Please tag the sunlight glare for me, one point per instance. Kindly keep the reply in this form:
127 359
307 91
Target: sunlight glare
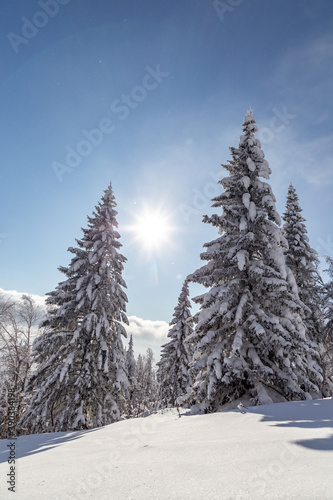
152 229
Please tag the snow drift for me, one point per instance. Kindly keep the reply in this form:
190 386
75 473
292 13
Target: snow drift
277 451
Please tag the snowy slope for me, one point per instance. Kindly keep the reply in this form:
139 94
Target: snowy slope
278 451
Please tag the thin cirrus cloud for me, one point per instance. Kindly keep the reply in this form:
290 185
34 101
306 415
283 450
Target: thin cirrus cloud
292 159
303 74
303 78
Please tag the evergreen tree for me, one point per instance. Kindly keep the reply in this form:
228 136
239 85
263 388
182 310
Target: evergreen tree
328 330
303 262
328 290
173 368
146 388
130 360
149 381
80 379
130 365
250 338
139 376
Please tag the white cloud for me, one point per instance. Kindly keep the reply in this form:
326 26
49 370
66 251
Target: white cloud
147 329
146 332
17 296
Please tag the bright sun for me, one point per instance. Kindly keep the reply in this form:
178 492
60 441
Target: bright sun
152 229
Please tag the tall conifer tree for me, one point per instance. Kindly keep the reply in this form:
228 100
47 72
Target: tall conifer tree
303 261
80 379
250 338
327 341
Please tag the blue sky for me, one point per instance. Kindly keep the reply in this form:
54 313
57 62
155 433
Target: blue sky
168 83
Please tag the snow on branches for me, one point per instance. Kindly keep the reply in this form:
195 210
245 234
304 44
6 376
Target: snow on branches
80 380
249 338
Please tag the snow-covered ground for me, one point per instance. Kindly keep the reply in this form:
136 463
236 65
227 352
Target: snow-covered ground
277 451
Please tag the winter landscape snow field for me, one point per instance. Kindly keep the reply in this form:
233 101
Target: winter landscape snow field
277 451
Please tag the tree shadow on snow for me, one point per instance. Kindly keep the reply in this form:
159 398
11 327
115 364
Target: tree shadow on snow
317 444
302 414
37 443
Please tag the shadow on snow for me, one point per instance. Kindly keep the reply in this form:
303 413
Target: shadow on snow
302 414
37 443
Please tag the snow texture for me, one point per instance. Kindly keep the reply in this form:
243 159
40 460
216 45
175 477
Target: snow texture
282 451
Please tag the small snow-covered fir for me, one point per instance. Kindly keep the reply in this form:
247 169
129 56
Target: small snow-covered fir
173 368
130 365
146 389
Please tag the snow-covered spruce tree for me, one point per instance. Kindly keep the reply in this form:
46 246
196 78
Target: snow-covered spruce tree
139 376
173 368
130 360
303 262
147 389
328 302
130 365
328 328
250 338
80 379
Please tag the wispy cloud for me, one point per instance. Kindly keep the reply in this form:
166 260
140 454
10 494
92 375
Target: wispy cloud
304 75
302 80
311 160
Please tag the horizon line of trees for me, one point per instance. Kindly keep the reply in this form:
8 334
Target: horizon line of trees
263 332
